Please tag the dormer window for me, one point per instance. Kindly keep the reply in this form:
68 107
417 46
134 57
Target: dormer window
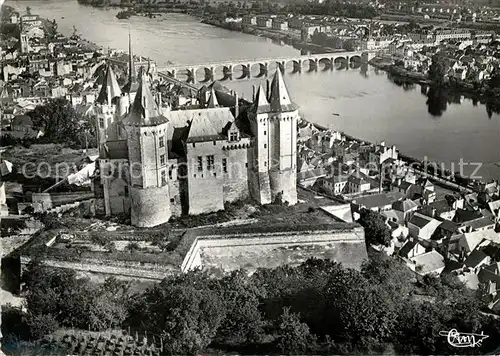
101 122
233 136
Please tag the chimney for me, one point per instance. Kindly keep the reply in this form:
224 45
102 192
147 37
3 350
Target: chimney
253 93
236 106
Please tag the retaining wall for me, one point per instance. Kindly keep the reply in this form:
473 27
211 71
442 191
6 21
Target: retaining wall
45 201
270 250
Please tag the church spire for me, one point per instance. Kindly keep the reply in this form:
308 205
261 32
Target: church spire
279 99
131 66
132 85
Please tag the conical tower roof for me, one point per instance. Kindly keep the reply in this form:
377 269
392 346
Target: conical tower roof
144 110
279 99
261 105
110 84
212 100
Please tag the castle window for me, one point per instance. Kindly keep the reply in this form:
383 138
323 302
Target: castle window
194 144
215 142
163 178
200 164
265 145
210 162
162 141
233 136
246 165
224 165
265 164
101 122
162 160
170 170
125 191
265 132
172 200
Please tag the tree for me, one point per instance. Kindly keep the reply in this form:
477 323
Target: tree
293 336
61 124
376 230
184 314
28 10
438 69
243 322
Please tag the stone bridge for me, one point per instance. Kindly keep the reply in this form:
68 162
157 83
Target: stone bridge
259 68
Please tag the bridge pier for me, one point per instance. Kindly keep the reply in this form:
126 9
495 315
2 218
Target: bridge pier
227 72
191 75
348 64
264 70
313 65
247 71
281 66
297 66
209 74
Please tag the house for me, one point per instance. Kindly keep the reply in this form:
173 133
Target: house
358 183
445 230
411 249
427 263
336 184
406 207
443 208
422 226
280 25
480 224
381 154
476 260
467 242
376 202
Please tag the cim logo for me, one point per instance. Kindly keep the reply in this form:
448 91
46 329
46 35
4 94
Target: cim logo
458 339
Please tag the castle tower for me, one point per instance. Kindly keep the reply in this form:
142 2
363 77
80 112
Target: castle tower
147 145
282 146
274 126
106 107
260 188
132 85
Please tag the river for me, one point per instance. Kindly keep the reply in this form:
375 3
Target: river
369 105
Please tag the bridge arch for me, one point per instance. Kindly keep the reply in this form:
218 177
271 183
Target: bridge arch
325 64
355 62
340 63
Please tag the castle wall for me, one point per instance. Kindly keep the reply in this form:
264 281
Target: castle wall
149 206
236 179
175 198
205 186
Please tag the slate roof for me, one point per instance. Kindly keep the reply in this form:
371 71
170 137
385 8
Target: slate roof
110 84
479 223
260 105
373 201
404 205
144 110
475 258
430 262
408 246
279 99
420 220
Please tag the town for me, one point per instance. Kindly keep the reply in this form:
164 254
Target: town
131 181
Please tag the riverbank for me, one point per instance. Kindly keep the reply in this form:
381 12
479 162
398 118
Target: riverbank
288 38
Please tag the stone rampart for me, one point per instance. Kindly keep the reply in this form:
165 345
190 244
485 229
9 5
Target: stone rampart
268 250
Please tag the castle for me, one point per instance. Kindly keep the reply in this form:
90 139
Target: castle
156 162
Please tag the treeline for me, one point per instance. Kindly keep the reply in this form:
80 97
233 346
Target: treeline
318 307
